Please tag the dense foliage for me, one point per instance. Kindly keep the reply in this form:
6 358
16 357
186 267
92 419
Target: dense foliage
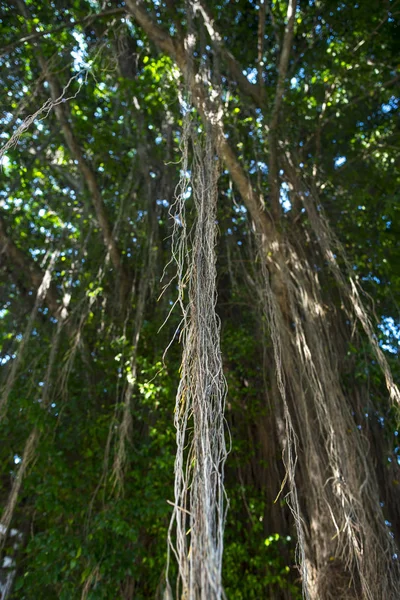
85 195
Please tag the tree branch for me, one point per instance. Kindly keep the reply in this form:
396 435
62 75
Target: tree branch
273 23
283 62
273 170
260 47
234 67
161 38
209 116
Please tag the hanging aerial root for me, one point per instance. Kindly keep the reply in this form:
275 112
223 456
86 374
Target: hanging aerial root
277 324
40 296
42 113
331 246
32 442
126 424
341 503
199 506
92 579
27 458
124 432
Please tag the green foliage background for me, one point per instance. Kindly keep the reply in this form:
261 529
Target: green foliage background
75 530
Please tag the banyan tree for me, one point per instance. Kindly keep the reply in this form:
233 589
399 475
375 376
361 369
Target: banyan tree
198 323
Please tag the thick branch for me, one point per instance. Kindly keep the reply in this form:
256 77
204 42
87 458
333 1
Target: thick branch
260 47
273 22
239 177
273 170
253 91
161 38
284 62
212 117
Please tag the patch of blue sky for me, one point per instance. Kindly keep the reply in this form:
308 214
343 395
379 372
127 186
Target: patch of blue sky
185 174
177 220
371 277
95 5
163 202
240 208
4 359
45 231
251 74
10 202
339 161
284 197
79 55
295 81
184 106
393 104
7 117
257 165
5 164
391 332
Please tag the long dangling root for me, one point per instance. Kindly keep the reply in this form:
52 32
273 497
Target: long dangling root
199 410
339 512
